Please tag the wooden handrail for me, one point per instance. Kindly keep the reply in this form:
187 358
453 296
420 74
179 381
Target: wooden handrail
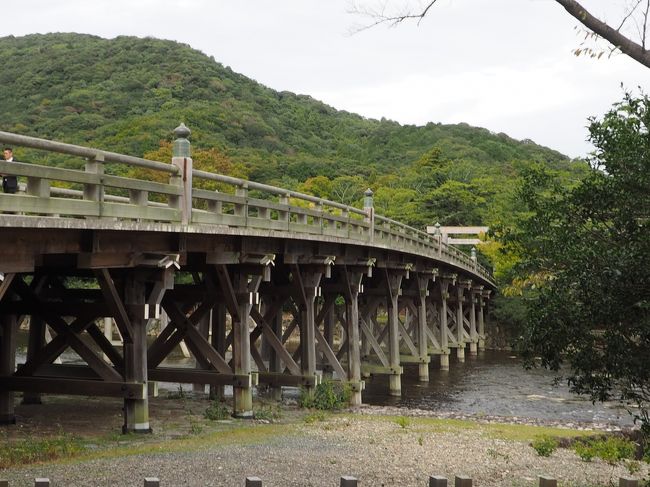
130 200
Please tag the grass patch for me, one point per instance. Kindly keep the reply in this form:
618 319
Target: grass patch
30 450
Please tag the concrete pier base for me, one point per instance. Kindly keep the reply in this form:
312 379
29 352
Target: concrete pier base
444 361
423 372
473 348
460 353
395 385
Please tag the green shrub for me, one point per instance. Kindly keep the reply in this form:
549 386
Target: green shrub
544 445
611 449
217 411
328 395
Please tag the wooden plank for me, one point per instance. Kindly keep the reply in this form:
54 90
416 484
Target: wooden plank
129 390
137 212
209 218
48 206
267 223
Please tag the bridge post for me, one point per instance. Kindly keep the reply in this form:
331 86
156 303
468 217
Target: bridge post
94 192
481 319
423 348
182 160
475 295
36 342
8 328
307 280
136 411
218 341
369 207
444 324
460 351
393 282
243 392
275 363
353 282
329 324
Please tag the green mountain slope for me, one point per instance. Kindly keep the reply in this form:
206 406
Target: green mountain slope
127 94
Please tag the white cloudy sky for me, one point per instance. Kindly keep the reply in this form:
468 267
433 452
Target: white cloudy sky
506 65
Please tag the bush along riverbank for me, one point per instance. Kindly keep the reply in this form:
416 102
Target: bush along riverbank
195 442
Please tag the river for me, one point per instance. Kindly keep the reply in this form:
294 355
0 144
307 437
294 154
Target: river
492 383
495 384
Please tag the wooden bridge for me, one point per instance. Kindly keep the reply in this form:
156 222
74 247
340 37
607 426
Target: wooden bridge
263 285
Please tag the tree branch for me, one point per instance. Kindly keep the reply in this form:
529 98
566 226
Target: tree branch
626 46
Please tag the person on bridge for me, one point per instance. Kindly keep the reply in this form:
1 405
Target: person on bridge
9 183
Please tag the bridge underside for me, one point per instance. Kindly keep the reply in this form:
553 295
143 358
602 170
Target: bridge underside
250 310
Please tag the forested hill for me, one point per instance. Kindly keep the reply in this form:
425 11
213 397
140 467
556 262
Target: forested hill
127 94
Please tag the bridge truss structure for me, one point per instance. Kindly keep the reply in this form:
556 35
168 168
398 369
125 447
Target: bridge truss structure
263 285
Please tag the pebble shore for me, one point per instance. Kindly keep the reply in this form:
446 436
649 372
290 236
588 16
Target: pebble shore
368 444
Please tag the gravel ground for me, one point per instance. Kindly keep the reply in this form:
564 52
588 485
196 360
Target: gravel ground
366 444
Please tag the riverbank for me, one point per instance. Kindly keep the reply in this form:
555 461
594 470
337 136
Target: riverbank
287 446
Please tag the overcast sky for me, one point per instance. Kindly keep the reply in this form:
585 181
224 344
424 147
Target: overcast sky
506 65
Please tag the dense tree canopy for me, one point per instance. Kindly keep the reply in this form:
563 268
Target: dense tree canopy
127 94
586 263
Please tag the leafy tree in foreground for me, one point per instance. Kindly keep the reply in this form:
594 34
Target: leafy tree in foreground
588 249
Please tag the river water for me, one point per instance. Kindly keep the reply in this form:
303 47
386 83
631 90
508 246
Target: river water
492 383
495 384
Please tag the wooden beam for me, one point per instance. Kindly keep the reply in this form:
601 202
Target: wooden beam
115 304
129 390
195 376
275 342
229 295
6 284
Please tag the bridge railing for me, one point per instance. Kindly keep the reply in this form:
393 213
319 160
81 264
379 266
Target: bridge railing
159 193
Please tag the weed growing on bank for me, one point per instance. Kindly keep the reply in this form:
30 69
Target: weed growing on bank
327 396
32 450
545 445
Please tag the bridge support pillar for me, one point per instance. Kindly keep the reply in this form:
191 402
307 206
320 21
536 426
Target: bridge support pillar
460 351
353 282
8 330
481 330
242 392
136 411
308 281
444 361
35 343
394 281
444 324
218 341
475 295
423 349
267 351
